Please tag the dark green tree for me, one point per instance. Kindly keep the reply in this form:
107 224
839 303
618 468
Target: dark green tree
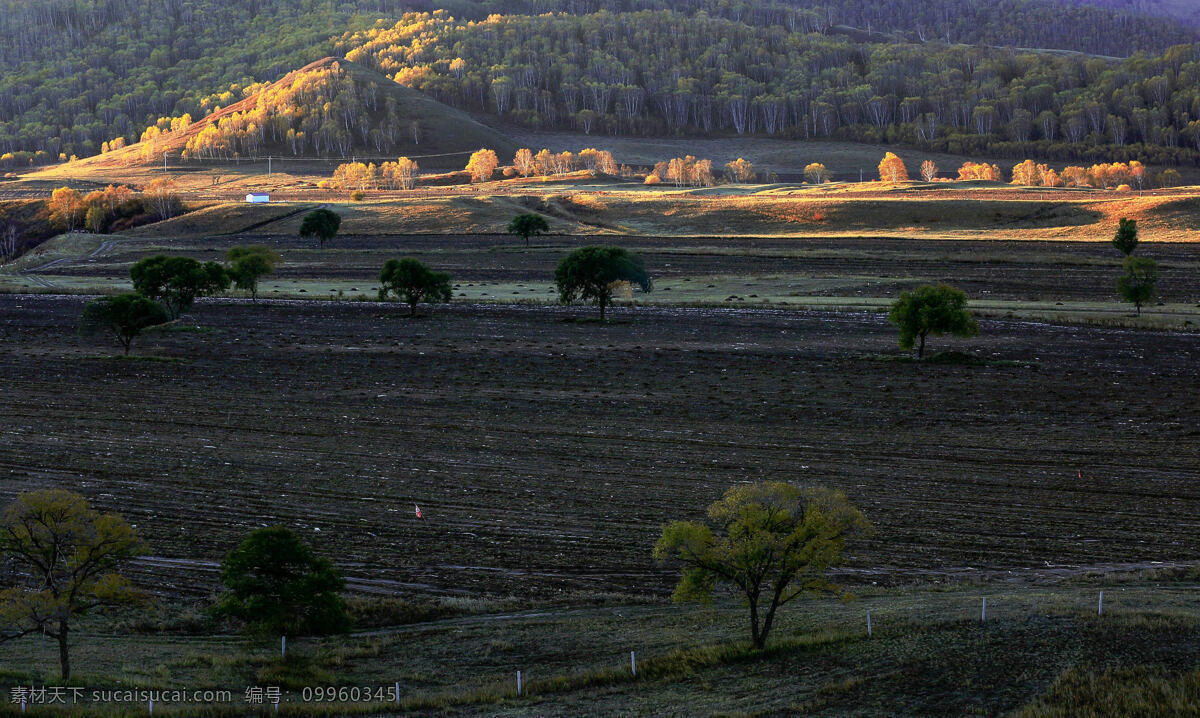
589 274
931 310
69 557
528 225
772 541
177 281
412 282
1140 281
1126 238
322 224
249 264
125 316
279 586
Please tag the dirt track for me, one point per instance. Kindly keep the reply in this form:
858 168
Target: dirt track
547 453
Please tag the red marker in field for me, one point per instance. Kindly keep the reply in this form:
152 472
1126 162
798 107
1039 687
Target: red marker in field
417 509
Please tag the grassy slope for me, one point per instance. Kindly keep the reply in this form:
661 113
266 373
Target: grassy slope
1043 652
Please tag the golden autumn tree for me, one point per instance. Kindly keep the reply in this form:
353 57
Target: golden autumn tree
892 169
523 162
66 208
481 165
406 172
929 170
740 170
1026 173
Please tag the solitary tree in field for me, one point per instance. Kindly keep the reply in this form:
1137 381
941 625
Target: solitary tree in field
929 170
1126 239
279 586
412 282
816 173
177 281
892 169
482 164
931 310
68 559
771 541
249 264
528 225
590 273
1138 284
322 224
124 316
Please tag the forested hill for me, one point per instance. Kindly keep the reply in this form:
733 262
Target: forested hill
658 73
1185 11
75 74
330 107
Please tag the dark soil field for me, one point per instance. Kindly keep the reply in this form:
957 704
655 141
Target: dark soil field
546 451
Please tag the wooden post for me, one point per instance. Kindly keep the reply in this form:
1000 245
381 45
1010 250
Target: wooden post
397 692
633 662
151 706
283 646
983 613
868 624
1100 606
518 683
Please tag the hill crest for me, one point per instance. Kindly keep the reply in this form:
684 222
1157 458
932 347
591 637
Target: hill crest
331 108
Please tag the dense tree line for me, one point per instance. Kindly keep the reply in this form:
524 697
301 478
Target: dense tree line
1104 27
705 75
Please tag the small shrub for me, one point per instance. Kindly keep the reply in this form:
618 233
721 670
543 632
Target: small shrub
357 195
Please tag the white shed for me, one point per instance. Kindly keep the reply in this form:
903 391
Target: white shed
258 198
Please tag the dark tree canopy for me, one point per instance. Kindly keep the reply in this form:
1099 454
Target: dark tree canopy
771 541
412 282
528 225
322 224
1126 239
249 264
177 281
931 310
1140 281
124 316
279 586
589 273
69 558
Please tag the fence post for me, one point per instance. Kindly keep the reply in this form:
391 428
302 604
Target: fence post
397 692
633 662
868 624
283 646
151 706
983 611
1100 606
518 683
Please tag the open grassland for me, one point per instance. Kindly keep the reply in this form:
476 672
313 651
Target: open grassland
1044 280
596 207
1043 651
